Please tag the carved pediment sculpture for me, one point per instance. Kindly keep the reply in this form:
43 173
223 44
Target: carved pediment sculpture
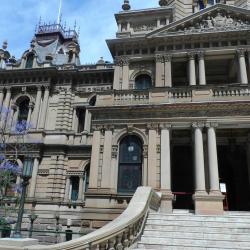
215 18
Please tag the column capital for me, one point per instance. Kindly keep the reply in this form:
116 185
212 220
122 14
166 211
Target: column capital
46 87
1 89
240 52
198 125
168 57
152 126
163 126
211 125
201 55
39 88
159 58
191 55
8 89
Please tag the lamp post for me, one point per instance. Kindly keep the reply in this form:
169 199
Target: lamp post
32 218
26 175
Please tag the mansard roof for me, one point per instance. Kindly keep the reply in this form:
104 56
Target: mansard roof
217 18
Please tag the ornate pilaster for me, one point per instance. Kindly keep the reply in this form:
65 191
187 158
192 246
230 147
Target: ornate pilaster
37 108
168 70
44 107
159 71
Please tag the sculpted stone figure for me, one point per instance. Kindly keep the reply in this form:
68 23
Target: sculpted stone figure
219 20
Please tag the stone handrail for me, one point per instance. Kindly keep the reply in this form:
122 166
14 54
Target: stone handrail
120 233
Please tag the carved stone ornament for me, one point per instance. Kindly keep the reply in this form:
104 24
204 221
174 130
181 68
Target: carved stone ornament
114 151
215 21
159 58
143 27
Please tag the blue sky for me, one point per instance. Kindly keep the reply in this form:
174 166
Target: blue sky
95 17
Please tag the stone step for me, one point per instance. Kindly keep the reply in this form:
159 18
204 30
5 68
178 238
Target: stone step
158 242
230 219
195 229
198 223
197 235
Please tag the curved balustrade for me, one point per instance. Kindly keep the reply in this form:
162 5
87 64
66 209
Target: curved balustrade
119 234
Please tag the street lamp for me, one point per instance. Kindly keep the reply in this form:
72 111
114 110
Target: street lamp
26 175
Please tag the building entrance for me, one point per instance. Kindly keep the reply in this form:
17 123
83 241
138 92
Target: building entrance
233 172
182 177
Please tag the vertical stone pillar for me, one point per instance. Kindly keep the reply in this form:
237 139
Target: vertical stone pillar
44 108
10 123
167 196
88 117
5 108
15 117
212 159
106 168
67 188
159 71
114 169
242 65
202 71
80 192
95 154
200 185
34 178
191 64
1 99
31 106
35 116
125 73
152 155
168 70
145 165
117 74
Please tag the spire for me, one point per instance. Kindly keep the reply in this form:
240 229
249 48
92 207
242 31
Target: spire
59 12
163 3
126 5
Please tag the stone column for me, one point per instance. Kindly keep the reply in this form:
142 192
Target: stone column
242 65
202 71
212 159
28 125
168 70
125 73
67 189
1 99
88 117
145 165
44 108
10 124
107 159
35 116
80 192
117 74
94 165
152 155
5 108
159 71
114 168
199 159
15 117
167 196
191 64
34 178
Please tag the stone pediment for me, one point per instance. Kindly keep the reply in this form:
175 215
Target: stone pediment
218 18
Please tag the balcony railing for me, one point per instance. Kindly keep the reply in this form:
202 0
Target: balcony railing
207 93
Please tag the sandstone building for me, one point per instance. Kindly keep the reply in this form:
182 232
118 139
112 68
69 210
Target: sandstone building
172 112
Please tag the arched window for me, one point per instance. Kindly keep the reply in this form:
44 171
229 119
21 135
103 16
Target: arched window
23 110
29 61
74 181
86 178
143 82
130 164
92 101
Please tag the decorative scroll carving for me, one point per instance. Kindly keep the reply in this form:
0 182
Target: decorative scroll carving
144 27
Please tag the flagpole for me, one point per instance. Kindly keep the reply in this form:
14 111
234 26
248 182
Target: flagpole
59 12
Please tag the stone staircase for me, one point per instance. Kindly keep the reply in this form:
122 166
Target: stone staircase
184 230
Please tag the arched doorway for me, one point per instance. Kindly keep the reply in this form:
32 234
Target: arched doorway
143 81
130 164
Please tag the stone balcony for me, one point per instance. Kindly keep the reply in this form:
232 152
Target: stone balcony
191 94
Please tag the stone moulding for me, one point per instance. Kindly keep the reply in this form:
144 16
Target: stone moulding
119 233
